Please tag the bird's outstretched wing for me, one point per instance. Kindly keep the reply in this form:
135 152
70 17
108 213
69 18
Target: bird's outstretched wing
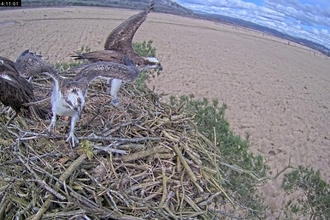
121 37
107 70
100 55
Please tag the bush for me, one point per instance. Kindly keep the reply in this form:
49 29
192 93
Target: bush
316 203
144 49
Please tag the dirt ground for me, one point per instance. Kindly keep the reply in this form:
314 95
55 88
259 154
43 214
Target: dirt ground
276 92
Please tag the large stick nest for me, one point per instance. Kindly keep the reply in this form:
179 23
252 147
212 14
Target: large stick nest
146 160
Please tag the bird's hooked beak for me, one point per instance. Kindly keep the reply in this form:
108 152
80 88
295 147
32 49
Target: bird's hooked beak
154 64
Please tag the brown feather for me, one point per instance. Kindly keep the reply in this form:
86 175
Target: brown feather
14 95
120 39
107 70
17 91
101 55
7 64
118 44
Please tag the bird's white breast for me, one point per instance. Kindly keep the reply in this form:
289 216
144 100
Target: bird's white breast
60 106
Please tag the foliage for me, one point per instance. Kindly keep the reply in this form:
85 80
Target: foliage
144 49
245 170
316 203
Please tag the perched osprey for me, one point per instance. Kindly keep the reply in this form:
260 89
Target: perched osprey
118 45
15 91
68 95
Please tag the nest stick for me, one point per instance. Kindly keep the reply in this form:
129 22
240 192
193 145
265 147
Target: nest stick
102 138
161 203
62 178
187 167
142 154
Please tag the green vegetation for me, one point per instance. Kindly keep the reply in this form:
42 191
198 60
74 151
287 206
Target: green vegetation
316 200
145 48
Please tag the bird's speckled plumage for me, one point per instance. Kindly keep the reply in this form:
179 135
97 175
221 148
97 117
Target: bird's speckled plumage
7 63
68 95
107 69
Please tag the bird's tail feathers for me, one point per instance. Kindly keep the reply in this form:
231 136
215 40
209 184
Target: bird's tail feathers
78 56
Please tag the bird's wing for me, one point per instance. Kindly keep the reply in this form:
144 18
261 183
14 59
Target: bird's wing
7 64
107 70
16 80
11 94
100 55
120 39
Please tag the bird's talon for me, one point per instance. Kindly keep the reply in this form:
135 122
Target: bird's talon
73 138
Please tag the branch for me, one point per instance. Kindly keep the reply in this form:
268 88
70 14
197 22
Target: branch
102 138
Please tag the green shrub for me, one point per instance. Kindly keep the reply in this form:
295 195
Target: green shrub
144 49
316 203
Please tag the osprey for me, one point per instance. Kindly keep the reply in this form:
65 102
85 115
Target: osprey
68 95
15 91
118 44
